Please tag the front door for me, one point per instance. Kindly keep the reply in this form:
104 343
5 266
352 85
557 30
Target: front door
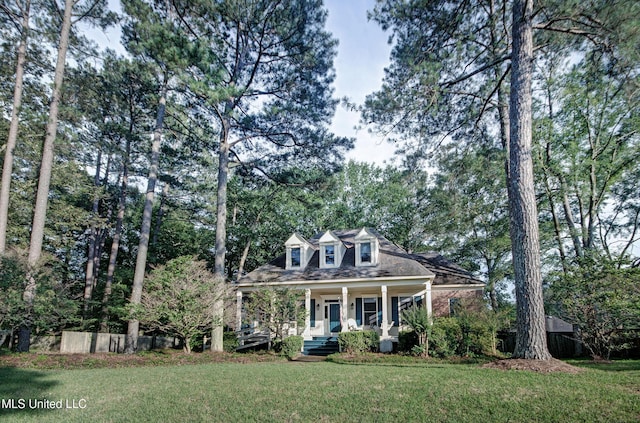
334 318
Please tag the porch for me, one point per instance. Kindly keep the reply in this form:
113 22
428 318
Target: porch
356 305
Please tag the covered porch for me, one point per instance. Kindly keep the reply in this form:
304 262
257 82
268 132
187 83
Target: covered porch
348 305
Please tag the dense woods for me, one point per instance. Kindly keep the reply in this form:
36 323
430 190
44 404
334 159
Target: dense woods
209 139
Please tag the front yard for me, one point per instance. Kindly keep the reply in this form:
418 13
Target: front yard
320 391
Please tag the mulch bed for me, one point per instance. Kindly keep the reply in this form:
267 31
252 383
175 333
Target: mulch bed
540 366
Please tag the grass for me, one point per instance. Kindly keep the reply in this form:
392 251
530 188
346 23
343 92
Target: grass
326 391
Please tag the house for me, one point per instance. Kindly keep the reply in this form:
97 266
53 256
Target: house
357 279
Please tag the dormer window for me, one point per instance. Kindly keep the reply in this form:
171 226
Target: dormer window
366 248
331 250
295 257
330 255
365 253
299 251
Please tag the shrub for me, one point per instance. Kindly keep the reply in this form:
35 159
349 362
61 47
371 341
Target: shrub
446 337
464 335
358 342
407 339
419 319
291 346
229 341
372 340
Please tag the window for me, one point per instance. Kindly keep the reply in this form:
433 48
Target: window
365 252
370 306
367 247
454 303
330 255
404 303
295 257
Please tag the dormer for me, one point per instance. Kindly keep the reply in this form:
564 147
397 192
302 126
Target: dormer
299 251
331 250
367 248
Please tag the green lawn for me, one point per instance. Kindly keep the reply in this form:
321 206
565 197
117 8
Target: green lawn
324 391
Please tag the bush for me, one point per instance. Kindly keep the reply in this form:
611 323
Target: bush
446 337
407 339
372 340
229 341
291 346
359 341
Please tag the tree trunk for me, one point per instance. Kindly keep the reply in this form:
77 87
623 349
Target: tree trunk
221 230
7 166
131 340
243 258
531 336
158 225
115 243
93 243
44 181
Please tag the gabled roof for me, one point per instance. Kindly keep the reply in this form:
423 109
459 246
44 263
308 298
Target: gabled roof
297 239
393 262
329 236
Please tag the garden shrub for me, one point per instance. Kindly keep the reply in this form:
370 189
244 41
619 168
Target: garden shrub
229 341
446 337
291 346
476 338
407 339
466 335
372 340
359 341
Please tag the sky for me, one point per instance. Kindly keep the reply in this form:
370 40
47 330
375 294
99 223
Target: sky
362 55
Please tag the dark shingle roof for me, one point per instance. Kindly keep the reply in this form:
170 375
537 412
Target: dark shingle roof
393 261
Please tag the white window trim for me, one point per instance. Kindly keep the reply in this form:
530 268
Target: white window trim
289 264
337 255
374 252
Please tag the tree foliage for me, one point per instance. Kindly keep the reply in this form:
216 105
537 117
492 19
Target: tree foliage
179 298
54 307
277 310
603 300
419 319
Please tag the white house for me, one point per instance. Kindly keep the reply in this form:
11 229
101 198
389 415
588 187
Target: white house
357 279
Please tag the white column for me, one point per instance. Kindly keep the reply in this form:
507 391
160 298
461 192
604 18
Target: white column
385 318
307 319
238 311
427 299
344 312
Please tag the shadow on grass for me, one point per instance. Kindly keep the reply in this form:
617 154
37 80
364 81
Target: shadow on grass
19 390
608 366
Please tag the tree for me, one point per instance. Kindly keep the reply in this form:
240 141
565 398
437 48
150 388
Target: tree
276 310
22 13
447 84
587 150
603 300
273 102
465 213
93 10
179 298
147 34
53 308
531 338
419 319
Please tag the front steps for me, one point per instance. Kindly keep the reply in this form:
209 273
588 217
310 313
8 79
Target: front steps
321 345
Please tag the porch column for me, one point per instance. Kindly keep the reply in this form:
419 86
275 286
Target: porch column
238 311
385 319
344 310
307 318
427 299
